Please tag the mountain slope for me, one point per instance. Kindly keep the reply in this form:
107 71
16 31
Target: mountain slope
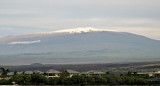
72 46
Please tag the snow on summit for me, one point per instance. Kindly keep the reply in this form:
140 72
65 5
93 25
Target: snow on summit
77 30
69 31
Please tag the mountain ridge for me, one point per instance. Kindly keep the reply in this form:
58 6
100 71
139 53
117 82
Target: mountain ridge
85 47
57 32
64 31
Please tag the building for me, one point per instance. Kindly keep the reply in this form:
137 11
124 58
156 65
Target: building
20 72
150 74
52 73
10 74
28 72
158 72
93 73
72 72
38 72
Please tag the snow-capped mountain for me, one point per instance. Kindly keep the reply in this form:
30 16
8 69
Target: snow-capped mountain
80 45
76 30
57 32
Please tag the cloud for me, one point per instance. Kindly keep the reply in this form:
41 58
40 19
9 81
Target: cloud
140 26
45 15
24 42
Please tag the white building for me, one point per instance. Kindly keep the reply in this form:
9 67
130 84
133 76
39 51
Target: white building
38 72
52 73
150 74
72 72
93 73
28 72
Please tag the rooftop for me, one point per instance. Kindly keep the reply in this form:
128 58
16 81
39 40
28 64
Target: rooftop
52 71
29 72
72 71
37 71
93 72
19 72
10 73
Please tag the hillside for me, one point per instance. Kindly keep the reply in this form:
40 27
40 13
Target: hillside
78 46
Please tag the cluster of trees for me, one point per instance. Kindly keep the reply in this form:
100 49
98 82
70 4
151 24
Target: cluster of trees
64 79
4 72
37 79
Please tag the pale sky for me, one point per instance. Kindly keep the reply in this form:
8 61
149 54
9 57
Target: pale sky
29 16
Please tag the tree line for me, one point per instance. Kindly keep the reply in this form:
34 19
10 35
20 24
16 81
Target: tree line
64 79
